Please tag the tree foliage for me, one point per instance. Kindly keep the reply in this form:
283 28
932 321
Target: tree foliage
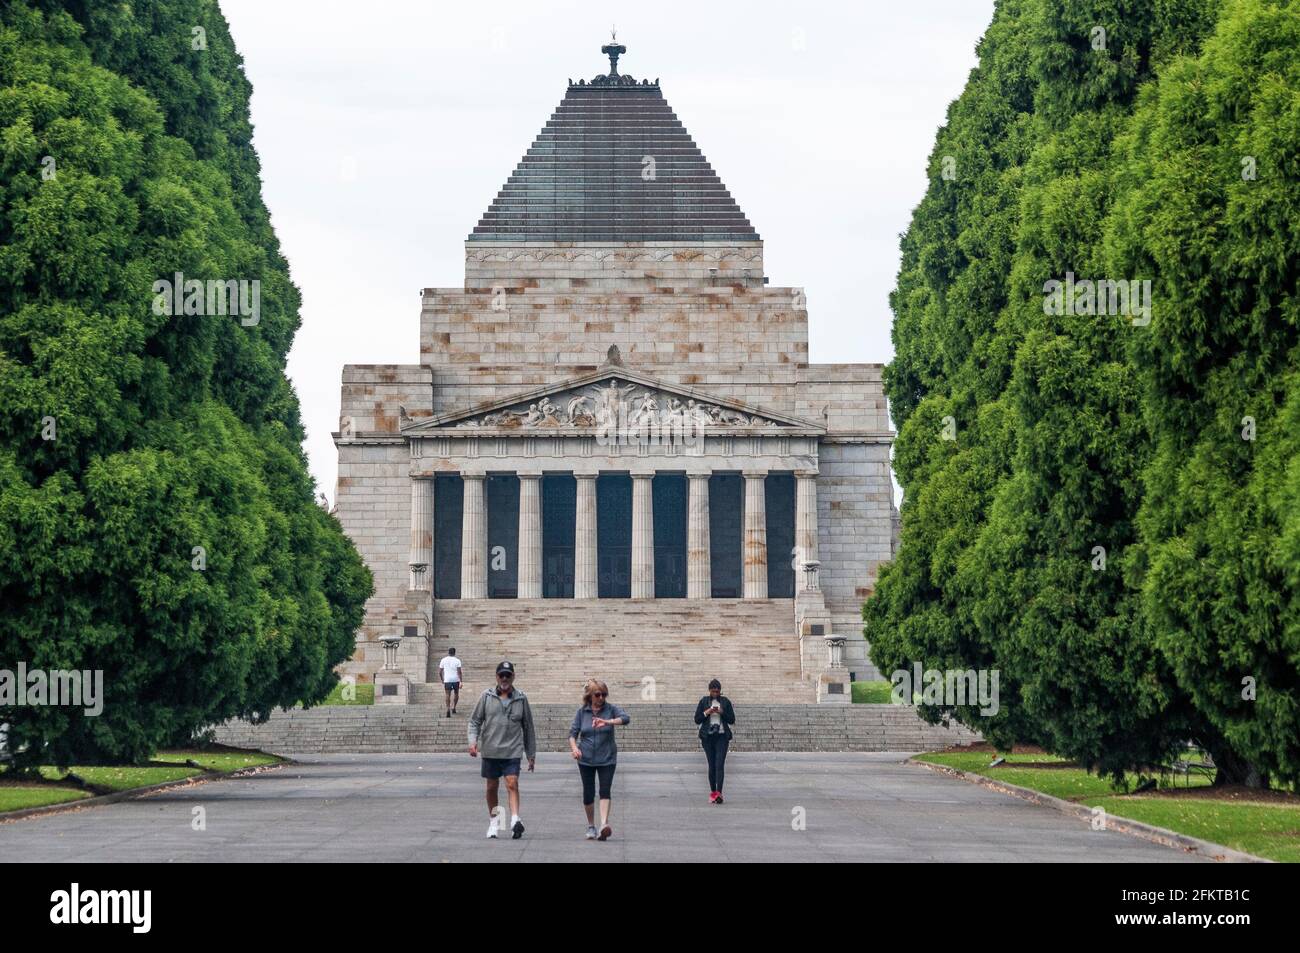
126 157
1081 435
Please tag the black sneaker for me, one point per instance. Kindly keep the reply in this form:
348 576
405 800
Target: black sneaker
517 831
448 712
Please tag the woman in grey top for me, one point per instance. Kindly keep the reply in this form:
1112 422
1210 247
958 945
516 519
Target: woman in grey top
591 738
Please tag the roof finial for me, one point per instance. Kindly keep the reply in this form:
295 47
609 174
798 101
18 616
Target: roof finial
612 49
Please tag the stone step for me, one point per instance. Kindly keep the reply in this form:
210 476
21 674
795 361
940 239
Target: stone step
416 728
660 650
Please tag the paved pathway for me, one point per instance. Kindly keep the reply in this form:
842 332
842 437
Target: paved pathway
408 807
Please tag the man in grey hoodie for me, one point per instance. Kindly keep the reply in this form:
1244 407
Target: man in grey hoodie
501 727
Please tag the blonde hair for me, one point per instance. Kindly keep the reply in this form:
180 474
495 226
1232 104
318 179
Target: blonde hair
592 685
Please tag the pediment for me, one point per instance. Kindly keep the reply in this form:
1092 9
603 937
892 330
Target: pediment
614 397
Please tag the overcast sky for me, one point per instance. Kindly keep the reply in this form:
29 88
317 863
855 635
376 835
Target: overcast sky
386 128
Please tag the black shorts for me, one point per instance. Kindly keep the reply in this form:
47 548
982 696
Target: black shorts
494 768
451 686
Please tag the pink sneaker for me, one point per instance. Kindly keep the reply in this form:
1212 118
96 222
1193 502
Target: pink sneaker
713 797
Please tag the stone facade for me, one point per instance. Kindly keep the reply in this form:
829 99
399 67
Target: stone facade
613 457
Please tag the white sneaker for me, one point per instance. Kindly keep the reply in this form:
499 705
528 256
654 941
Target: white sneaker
494 827
591 832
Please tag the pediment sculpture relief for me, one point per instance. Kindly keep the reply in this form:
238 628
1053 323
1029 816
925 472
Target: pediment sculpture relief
621 405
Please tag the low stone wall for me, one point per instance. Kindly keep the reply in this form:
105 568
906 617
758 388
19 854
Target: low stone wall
415 728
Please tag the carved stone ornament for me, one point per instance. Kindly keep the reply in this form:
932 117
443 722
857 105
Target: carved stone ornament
616 403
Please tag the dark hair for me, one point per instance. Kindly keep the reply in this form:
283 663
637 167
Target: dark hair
715 684
451 651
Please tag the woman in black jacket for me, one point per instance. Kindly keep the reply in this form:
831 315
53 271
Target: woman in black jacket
715 716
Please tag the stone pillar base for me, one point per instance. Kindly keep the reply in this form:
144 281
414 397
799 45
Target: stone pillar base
812 623
414 655
833 688
392 688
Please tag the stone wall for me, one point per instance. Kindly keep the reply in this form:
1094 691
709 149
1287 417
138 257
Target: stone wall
605 265
855 535
373 498
847 399
372 394
729 335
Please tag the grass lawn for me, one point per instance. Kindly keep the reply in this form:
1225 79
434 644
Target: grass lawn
165 766
872 693
121 778
17 797
365 695
219 760
1068 783
1269 830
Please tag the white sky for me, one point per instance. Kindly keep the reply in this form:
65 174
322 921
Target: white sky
386 128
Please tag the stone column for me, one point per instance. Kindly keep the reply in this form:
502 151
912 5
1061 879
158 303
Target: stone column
392 687
805 525
584 539
699 579
755 539
530 536
643 536
421 533
473 539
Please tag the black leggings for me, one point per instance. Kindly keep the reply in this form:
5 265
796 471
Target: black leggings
715 749
589 772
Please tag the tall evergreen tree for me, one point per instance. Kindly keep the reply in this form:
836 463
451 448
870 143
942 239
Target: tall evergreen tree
1022 546
1211 206
157 521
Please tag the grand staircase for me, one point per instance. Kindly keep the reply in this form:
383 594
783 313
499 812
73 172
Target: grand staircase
423 728
654 650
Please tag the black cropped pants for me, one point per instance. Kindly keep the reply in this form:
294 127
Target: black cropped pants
589 774
715 749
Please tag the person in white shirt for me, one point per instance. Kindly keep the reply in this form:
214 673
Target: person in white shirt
450 668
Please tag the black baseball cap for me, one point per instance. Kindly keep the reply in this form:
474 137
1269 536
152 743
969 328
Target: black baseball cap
505 667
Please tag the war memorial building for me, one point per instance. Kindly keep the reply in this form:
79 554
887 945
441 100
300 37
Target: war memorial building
613 457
